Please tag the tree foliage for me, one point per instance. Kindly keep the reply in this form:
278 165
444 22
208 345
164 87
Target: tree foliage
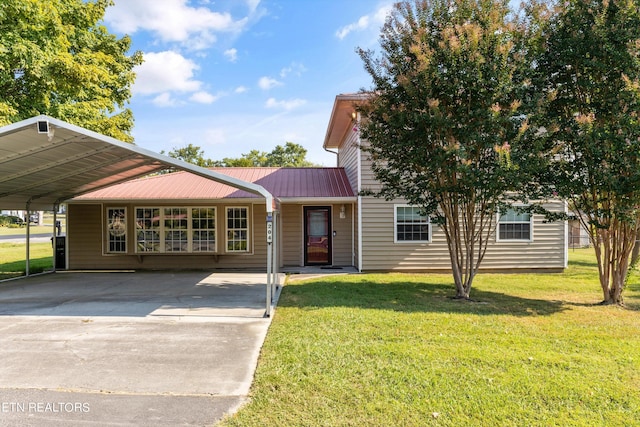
443 116
291 155
56 58
587 123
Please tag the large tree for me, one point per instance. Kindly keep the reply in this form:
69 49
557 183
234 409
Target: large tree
588 119
443 115
56 58
191 154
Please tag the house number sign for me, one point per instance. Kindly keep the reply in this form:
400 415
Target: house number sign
270 232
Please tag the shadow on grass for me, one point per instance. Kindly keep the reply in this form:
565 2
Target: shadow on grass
410 297
14 269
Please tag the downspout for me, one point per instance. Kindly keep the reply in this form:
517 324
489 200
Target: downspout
359 153
332 152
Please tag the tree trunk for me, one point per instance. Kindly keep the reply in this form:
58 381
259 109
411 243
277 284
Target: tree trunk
467 235
614 246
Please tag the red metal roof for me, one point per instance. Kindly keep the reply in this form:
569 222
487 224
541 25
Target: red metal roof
282 183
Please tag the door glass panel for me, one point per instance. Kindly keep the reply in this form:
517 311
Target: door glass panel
317 244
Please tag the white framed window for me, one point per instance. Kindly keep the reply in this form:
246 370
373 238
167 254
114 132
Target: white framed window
515 226
237 229
116 230
410 225
172 229
148 230
176 230
203 229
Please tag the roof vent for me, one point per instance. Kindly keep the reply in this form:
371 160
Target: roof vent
43 126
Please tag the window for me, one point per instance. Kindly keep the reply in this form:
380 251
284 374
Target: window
411 226
203 229
148 229
237 230
116 230
514 225
176 229
176 226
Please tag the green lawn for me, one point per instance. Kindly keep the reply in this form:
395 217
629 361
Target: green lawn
12 259
396 350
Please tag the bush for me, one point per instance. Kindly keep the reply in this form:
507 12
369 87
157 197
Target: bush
11 221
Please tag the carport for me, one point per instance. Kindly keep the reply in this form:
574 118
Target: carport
45 161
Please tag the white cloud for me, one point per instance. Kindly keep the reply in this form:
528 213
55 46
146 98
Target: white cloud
231 54
241 89
377 17
285 104
267 83
359 25
165 72
202 97
295 68
174 20
164 100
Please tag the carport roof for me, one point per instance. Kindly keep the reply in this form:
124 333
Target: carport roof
45 161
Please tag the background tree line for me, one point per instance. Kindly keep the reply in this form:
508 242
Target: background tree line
289 155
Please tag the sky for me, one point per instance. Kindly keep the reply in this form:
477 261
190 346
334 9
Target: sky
231 76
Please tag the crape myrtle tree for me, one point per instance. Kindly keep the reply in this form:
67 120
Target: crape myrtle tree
56 58
443 120
588 79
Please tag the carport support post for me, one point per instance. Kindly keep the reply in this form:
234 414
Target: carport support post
53 239
26 267
274 269
269 261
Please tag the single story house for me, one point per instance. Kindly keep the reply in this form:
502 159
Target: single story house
136 217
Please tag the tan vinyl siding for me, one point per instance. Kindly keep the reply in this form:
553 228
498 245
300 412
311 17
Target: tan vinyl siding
546 251
292 235
87 242
88 246
84 236
368 180
342 252
348 159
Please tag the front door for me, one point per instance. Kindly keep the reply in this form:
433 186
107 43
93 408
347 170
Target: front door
317 235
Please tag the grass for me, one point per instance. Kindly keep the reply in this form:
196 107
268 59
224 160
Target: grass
12 259
395 349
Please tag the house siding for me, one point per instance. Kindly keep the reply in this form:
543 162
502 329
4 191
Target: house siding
292 231
546 251
293 234
348 158
87 241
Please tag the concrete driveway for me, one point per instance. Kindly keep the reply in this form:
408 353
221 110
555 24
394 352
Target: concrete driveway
128 349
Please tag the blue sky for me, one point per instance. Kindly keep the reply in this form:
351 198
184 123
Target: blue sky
235 75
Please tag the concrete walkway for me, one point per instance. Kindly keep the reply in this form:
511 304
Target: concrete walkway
128 349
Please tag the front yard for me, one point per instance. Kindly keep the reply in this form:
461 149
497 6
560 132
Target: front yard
394 349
